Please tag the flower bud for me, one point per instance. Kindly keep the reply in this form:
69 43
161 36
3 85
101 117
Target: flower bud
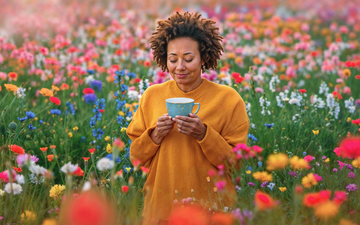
12 126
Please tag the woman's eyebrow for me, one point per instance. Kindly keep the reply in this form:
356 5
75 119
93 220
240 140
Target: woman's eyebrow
187 53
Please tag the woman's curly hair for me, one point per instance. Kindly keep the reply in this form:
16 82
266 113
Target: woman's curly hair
188 25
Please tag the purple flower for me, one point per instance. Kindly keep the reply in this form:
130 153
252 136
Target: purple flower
96 84
318 164
351 174
324 157
264 184
292 173
335 170
350 167
34 158
251 184
351 187
89 98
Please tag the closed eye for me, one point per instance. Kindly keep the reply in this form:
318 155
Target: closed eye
185 61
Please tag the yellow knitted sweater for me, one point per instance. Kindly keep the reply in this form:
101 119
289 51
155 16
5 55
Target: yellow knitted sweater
180 162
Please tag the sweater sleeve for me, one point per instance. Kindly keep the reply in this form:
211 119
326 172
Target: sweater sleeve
142 147
216 147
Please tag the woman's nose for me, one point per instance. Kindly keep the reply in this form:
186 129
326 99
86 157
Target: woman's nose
180 65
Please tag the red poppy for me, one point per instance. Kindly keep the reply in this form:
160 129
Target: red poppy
222 219
50 157
79 172
44 149
137 80
101 110
356 122
336 95
124 189
55 100
147 63
88 91
13 76
189 215
17 149
350 64
264 201
86 159
302 91
92 150
357 77
350 147
17 169
314 199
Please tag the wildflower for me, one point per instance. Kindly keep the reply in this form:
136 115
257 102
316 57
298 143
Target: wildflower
98 133
327 160
260 164
107 138
356 162
251 184
90 98
271 186
309 158
20 93
86 159
309 180
50 157
11 87
23 158
292 173
252 137
351 187
55 100
326 210
208 179
248 171
356 122
13 188
96 84
44 149
220 185
46 92
335 170
341 164
17 149
269 125
128 169
119 144
70 135
262 176
110 156
105 164
282 189
264 201
125 189
28 216
351 175
92 150
316 132
56 190
88 91
144 170
346 72
69 168
340 197
336 95
294 101
55 111
277 161
315 199
188 215
12 76
5 176
349 148
52 146
264 184
317 177
78 172
344 221
302 91
297 163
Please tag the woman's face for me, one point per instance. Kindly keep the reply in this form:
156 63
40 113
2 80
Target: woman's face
184 62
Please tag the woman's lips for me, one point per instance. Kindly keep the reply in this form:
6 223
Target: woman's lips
181 75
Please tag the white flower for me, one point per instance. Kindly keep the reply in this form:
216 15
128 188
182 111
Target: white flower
2 192
294 101
286 99
87 186
133 95
37 169
69 168
20 93
36 179
13 188
105 164
20 179
88 79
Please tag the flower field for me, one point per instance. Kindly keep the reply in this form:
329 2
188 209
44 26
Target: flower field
71 81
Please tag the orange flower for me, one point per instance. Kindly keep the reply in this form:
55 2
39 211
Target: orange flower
18 170
264 201
86 159
327 210
64 86
190 215
55 100
44 149
50 157
46 92
309 180
17 149
11 87
222 219
13 76
53 146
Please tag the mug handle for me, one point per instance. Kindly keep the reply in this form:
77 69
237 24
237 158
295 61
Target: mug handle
198 107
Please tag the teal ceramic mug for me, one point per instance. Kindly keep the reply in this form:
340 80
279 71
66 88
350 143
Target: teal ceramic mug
180 106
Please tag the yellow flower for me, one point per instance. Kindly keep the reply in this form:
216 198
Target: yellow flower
309 180
11 87
70 135
107 138
221 75
49 222
346 72
128 169
121 113
326 210
55 88
356 163
46 92
346 222
327 160
56 190
109 148
316 132
297 163
277 161
247 171
123 129
282 189
28 216
348 119
262 176
75 128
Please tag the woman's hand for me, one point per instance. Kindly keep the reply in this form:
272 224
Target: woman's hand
163 126
191 126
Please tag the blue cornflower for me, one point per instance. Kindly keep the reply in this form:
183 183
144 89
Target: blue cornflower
30 115
127 155
120 104
101 103
96 84
55 111
98 146
90 98
304 153
131 75
82 139
120 73
97 113
31 127
41 122
129 114
90 71
260 164
97 133
249 168
92 122
22 119
124 87
271 186
71 108
120 119
252 137
269 125
110 156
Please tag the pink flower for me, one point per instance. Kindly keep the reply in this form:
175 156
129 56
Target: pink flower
317 177
309 158
220 185
341 164
257 89
211 172
351 174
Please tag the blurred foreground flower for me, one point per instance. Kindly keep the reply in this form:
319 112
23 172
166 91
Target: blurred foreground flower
277 161
349 148
264 201
88 208
309 180
189 215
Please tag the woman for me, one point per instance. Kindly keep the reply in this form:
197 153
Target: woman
180 151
